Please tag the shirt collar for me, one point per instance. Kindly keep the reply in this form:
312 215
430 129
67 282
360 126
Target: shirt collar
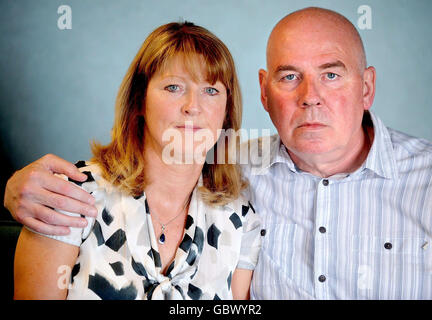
381 158
262 160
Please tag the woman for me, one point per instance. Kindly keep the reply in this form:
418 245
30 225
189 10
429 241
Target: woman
166 228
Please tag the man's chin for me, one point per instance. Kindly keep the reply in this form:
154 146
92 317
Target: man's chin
311 148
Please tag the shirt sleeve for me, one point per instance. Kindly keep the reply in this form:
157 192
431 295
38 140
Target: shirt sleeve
77 235
251 238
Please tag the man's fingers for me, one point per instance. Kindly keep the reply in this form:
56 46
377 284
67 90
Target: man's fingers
60 202
44 228
52 217
59 165
65 188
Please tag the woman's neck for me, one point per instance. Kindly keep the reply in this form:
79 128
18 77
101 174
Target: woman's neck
169 186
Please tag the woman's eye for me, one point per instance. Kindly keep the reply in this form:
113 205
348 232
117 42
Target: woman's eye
331 75
211 91
290 77
172 88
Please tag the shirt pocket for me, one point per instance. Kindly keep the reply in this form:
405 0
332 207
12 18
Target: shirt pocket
385 265
278 244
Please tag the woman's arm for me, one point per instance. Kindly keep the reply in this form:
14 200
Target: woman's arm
42 267
240 284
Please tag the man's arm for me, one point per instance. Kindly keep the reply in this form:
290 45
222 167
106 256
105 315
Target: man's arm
33 191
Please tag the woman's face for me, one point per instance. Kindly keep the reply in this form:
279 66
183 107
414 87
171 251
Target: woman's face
183 114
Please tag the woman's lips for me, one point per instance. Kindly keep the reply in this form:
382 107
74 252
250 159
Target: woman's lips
189 127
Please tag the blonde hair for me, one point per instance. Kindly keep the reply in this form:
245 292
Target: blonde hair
122 160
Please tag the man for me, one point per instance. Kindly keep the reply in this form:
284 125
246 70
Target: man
345 202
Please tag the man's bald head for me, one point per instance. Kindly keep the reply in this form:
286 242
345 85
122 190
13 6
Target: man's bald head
309 23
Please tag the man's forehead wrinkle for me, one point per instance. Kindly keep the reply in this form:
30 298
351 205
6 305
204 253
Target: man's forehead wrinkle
310 22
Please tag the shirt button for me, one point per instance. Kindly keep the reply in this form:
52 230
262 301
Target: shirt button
263 232
388 245
325 182
322 278
322 230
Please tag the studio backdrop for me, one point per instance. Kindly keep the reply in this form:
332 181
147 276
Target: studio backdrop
63 61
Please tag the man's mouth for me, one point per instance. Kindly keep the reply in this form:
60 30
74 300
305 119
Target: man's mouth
312 125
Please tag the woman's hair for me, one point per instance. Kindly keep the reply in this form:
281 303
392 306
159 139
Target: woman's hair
122 160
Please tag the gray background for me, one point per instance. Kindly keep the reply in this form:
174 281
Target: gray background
57 87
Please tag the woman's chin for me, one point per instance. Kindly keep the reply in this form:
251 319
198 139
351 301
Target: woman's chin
196 155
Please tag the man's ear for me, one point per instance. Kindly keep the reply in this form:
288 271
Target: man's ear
369 77
262 74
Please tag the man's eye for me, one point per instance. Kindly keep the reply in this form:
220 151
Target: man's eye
331 75
290 77
211 91
172 88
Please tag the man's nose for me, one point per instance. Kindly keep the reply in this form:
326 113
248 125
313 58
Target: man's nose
309 94
191 105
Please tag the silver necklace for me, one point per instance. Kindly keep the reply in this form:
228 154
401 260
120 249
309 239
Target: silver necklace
162 237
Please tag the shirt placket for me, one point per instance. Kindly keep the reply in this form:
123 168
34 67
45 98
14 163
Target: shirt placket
322 242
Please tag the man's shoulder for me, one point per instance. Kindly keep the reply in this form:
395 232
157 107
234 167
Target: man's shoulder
408 146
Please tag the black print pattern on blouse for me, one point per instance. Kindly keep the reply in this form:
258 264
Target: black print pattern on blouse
103 288
229 280
194 292
252 208
117 240
75 270
192 245
107 217
156 257
97 231
235 219
186 243
80 164
189 222
117 268
245 210
213 234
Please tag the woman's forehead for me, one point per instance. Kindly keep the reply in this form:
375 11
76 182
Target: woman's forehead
194 65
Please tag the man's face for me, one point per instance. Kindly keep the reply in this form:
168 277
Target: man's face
315 91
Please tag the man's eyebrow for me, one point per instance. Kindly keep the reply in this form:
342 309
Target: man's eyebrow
335 64
287 68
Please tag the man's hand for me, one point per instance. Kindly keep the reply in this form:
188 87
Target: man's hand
33 191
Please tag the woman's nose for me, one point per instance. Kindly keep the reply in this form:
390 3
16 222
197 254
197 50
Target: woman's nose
191 105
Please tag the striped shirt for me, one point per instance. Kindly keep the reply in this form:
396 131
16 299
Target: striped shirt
363 235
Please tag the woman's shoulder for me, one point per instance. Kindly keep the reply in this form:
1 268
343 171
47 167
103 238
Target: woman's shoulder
94 179
242 206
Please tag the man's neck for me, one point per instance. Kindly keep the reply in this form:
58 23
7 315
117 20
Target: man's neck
336 162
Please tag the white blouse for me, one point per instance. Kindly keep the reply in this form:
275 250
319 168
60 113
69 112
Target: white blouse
119 259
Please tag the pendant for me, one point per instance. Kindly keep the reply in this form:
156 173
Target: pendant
162 239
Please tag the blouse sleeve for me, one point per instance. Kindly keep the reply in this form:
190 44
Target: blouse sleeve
251 239
78 235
